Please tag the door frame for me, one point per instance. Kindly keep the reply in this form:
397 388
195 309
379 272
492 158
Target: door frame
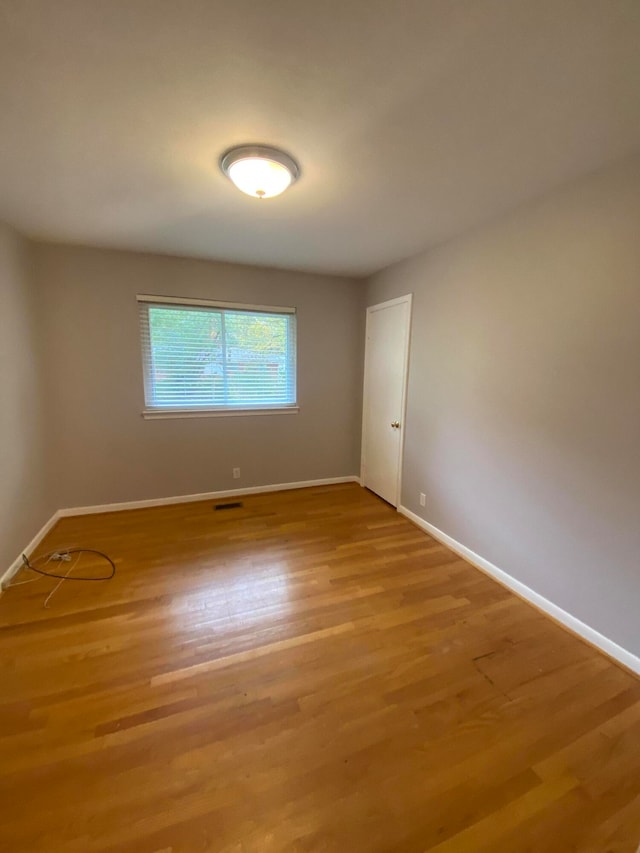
408 299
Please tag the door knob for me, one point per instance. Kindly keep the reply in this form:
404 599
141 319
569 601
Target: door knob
395 424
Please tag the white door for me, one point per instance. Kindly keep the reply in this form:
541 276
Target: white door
385 379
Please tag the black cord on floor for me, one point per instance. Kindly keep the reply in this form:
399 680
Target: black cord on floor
28 565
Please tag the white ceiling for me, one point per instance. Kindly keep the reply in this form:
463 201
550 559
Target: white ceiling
413 120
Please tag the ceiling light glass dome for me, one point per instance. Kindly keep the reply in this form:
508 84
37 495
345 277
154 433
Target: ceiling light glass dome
260 171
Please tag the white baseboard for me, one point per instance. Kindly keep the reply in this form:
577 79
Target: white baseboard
203 496
575 625
17 563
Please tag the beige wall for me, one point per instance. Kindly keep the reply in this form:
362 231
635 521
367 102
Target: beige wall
523 423
23 501
103 451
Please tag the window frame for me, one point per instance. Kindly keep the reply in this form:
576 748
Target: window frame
163 412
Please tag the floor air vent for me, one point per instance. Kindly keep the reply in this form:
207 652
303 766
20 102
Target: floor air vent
232 505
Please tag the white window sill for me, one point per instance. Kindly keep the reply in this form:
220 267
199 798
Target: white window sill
155 414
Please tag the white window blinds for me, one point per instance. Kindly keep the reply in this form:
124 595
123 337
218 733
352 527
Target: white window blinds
205 356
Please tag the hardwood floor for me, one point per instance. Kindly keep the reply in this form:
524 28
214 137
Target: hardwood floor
310 672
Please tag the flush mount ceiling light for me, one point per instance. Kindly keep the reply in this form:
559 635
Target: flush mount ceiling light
260 171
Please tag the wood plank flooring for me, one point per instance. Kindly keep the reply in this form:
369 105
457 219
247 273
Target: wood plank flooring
310 672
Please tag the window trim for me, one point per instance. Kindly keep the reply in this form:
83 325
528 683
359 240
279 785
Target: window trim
214 303
162 413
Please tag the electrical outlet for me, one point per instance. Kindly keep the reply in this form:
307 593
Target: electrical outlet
236 473
423 499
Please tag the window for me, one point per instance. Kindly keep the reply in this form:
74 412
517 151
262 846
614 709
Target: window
207 358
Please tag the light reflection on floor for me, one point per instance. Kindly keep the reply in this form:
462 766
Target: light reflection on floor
236 595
